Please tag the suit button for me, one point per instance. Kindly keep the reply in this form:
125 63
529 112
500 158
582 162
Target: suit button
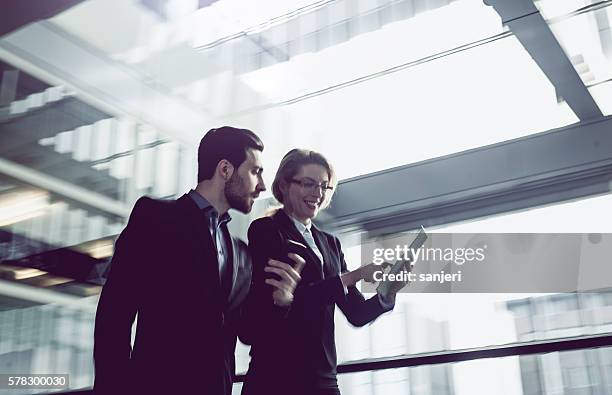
222 319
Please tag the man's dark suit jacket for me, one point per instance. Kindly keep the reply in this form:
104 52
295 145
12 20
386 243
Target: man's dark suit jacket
165 269
294 349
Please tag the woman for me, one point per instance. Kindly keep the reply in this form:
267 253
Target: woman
293 348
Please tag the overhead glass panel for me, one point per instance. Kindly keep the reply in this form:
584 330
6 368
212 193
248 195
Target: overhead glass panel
479 96
371 84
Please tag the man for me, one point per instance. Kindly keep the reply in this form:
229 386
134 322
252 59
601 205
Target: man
176 265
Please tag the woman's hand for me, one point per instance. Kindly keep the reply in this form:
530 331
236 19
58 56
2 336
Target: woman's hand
388 289
365 273
290 277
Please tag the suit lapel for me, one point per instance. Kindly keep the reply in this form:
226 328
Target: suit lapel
289 228
329 266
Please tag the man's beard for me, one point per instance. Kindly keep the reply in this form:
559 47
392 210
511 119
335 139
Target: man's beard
236 195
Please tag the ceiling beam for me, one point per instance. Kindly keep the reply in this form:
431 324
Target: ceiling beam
530 28
105 84
16 13
45 296
81 196
544 168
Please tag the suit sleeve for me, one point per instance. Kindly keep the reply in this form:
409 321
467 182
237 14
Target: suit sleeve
354 306
117 307
259 312
316 295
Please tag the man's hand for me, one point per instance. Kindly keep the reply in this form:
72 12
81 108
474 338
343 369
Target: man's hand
290 277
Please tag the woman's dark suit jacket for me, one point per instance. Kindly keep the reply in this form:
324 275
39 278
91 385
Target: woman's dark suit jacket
294 348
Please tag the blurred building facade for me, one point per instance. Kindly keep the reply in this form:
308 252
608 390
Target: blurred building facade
575 372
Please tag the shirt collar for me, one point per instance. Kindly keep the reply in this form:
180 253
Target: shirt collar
208 208
300 226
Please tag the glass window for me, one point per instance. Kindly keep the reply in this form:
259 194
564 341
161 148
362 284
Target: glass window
433 322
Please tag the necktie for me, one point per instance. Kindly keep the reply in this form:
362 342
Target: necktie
223 255
220 236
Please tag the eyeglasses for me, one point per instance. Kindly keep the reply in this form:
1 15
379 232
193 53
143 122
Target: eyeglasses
312 186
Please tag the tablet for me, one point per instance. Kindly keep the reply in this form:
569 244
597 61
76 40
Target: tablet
405 264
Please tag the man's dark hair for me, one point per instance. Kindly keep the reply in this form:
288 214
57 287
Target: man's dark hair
227 143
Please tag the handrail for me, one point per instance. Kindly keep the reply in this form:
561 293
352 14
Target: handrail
514 349
467 354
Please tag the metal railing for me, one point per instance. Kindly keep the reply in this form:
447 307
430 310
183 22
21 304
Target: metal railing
450 356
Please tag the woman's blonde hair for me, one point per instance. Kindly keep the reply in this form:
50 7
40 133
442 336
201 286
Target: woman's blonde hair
291 165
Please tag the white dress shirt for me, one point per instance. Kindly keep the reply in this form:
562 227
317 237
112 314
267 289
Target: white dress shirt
307 234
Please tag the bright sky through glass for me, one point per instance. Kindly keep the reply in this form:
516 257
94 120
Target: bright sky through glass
487 94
